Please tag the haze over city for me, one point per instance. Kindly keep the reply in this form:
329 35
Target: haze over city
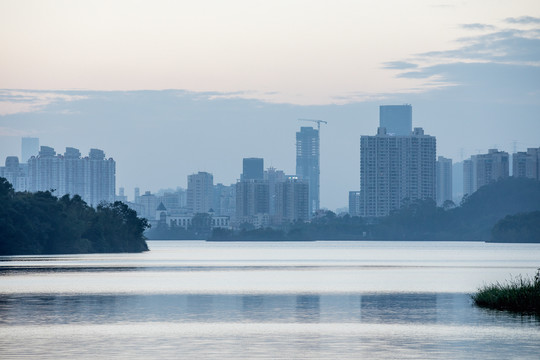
168 89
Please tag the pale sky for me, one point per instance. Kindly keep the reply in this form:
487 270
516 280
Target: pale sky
467 67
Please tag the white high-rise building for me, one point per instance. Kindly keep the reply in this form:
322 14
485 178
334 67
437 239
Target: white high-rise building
527 164
200 192
395 168
15 173
483 169
291 200
93 178
444 180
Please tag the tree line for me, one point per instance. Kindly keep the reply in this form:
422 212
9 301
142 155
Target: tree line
41 223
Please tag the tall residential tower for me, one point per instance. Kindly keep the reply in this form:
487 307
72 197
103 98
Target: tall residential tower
307 163
395 168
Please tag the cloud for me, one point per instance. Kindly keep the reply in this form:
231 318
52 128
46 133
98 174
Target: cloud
399 65
523 20
509 46
477 26
501 65
21 101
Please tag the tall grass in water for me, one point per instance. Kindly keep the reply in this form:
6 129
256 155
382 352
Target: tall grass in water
518 295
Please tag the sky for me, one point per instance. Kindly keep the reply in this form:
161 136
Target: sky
169 88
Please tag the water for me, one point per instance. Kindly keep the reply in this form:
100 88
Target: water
313 300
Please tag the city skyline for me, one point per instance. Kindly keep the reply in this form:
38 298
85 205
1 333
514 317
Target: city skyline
125 77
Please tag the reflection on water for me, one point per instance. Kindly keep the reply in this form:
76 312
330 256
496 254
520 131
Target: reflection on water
398 308
230 301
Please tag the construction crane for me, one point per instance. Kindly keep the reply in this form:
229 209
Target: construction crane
314 120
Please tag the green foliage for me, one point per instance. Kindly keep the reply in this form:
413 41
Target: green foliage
473 220
523 228
40 223
520 295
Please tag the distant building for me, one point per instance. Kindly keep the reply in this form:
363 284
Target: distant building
122 196
224 200
136 195
200 192
483 169
75 169
397 119
100 177
252 201
527 164
29 148
292 201
468 178
15 173
354 203
175 201
273 176
252 169
93 178
444 180
395 168
307 163
186 221
149 203
457 182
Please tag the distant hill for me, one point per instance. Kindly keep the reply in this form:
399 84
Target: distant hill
473 220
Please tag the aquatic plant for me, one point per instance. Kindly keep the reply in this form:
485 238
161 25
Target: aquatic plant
520 295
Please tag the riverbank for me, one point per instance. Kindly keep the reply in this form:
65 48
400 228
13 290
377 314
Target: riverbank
520 295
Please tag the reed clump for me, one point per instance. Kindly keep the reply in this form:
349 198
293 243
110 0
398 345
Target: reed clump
521 295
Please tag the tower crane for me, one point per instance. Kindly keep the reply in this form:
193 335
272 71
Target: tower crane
315 120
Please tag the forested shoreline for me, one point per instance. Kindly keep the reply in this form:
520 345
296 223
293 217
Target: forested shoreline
41 223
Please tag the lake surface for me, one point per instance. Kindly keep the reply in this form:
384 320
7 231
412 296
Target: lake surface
309 300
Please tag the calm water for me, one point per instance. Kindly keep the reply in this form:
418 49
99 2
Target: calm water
315 300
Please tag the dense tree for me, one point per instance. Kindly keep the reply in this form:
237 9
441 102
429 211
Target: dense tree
41 223
519 228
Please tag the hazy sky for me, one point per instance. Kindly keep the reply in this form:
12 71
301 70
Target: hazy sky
244 71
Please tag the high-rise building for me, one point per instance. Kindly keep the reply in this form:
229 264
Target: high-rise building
200 192
136 195
483 169
273 176
74 173
224 201
252 200
101 177
468 177
526 164
15 174
444 180
121 195
307 163
354 203
93 178
490 167
253 169
29 148
394 168
149 203
397 119
457 182
291 200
